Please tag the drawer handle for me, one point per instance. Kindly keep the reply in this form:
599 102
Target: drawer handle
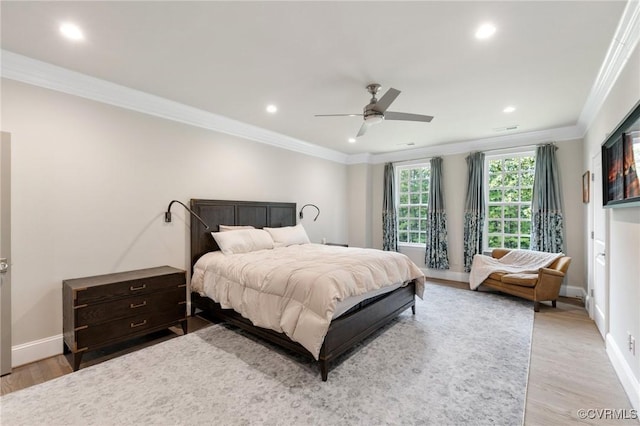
142 287
139 305
134 325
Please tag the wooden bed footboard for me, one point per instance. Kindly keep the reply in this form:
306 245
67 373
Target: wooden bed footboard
344 332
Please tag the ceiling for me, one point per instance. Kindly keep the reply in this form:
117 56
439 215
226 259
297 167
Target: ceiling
234 58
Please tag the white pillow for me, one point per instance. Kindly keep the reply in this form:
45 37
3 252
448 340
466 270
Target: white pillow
225 228
289 235
243 241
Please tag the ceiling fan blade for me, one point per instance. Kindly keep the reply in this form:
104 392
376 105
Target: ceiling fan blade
390 115
338 115
363 129
386 100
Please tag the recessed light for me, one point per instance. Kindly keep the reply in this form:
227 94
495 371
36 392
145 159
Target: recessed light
272 109
485 31
71 31
509 109
352 140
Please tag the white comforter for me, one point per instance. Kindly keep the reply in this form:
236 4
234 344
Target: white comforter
514 262
295 289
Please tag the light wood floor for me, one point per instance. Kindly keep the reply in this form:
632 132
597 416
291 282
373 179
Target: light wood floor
569 367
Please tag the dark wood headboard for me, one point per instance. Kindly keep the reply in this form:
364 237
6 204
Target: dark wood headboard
220 212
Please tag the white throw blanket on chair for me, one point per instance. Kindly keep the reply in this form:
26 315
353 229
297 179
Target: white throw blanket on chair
514 262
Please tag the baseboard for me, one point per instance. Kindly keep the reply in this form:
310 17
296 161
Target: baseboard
36 350
625 374
446 275
573 291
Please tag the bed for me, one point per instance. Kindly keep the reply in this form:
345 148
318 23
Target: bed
355 323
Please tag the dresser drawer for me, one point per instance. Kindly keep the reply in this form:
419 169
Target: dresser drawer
129 306
136 287
102 310
114 330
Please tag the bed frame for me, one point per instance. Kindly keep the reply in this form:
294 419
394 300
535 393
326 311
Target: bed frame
344 332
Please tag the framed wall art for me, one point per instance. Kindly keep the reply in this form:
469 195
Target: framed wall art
621 163
585 187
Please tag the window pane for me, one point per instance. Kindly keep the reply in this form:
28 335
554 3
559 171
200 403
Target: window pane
526 179
511 179
511 164
511 212
511 242
495 180
495 226
511 227
511 195
527 163
495 195
413 183
508 194
525 243
495 241
495 166
495 212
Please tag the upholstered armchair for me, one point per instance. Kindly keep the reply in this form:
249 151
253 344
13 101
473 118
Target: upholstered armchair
538 287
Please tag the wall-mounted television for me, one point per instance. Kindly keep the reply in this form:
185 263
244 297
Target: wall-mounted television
621 163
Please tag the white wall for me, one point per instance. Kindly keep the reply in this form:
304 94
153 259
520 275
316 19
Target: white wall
360 211
624 237
454 168
91 182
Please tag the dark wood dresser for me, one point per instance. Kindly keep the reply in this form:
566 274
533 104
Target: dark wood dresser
106 309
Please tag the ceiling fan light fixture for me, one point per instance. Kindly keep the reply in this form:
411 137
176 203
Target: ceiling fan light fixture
374 118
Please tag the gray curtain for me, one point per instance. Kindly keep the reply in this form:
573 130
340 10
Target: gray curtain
437 253
474 208
389 227
547 224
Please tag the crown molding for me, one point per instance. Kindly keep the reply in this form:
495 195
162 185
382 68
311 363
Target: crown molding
37 73
42 74
624 42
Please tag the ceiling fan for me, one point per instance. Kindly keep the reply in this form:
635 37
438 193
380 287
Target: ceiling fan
376 110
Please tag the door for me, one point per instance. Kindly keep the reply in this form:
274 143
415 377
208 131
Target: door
5 253
600 291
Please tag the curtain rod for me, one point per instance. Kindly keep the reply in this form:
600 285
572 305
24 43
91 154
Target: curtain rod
506 150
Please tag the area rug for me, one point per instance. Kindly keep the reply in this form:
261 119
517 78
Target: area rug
462 359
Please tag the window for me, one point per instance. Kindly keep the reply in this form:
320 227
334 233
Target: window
510 190
413 198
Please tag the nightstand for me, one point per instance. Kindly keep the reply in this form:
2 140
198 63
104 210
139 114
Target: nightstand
102 310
